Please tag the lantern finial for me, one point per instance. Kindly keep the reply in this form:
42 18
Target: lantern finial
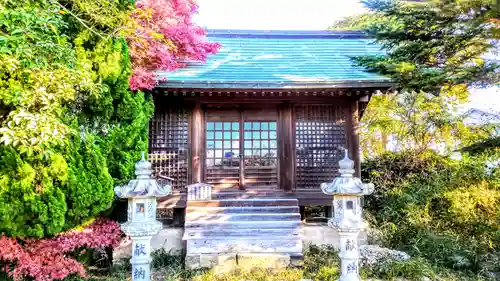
346 165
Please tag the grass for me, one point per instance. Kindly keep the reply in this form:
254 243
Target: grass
320 264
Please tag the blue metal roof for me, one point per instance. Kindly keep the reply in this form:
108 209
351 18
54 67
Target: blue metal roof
250 59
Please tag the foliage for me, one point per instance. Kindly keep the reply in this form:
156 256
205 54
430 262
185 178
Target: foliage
489 145
446 211
67 113
70 127
356 22
412 269
417 121
35 84
317 258
167 38
89 188
256 274
435 47
320 263
55 258
42 197
119 117
434 52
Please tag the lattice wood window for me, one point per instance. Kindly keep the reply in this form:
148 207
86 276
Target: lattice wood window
168 145
319 135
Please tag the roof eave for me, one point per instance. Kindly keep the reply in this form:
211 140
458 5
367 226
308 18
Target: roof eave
277 85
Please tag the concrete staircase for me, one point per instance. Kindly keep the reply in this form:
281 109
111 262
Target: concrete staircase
255 228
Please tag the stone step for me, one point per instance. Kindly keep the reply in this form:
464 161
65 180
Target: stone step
251 194
238 236
260 202
247 261
201 232
254 224
244 234
248 245
244 210
243 224
216 218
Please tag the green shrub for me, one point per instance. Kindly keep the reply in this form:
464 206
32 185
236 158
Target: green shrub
412 269
45 197
327 274
445 211
70 128
318 257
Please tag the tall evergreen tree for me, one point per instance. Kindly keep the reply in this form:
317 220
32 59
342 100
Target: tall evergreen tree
434 46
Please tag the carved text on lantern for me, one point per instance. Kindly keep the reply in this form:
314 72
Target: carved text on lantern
352 267
140 249
350 245
139 273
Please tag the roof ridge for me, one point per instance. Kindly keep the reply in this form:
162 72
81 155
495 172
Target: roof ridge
286 34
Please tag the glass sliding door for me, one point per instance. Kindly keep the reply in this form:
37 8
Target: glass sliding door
241 150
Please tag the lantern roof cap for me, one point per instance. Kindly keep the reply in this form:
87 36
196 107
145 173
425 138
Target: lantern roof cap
143 185
347 184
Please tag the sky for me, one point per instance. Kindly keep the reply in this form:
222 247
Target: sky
274 14
301 15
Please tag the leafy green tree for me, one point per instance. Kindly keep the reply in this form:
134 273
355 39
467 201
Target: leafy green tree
70 127
417 121
435 208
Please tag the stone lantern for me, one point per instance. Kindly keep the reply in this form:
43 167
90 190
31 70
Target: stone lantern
141 223
347 191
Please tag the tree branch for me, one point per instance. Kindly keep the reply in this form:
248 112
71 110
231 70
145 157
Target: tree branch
80 20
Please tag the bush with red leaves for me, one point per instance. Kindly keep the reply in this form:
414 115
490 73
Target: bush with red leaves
50 259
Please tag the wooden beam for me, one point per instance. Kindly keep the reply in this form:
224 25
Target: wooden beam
197 125
286 148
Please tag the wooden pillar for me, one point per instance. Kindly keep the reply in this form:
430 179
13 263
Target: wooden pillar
352 134
241 119
197 126
286 145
